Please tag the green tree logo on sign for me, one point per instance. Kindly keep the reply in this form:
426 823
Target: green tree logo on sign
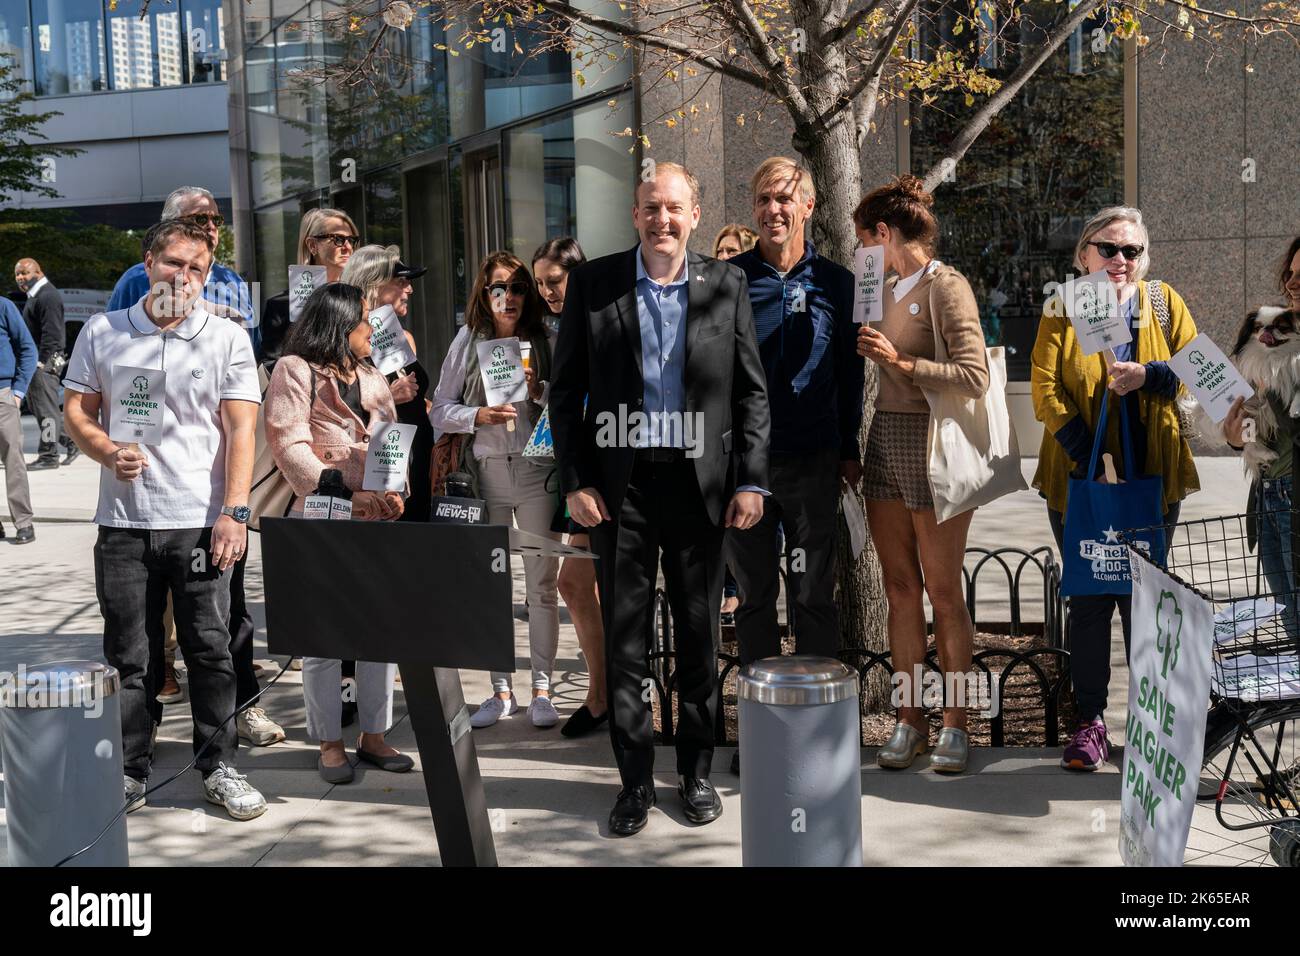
394 436
140 383
1169 629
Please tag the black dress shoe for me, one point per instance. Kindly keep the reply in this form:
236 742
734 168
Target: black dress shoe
700 802
73 453
735 762
41 464
631 810
25 535
582 722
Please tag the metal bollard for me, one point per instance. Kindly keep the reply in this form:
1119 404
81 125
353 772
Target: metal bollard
800 764
61 734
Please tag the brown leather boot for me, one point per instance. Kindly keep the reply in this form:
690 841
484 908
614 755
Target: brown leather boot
171 692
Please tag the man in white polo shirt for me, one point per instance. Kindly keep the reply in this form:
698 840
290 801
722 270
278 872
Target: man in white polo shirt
176 388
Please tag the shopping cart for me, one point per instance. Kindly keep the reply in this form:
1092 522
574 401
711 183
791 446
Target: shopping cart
1247 811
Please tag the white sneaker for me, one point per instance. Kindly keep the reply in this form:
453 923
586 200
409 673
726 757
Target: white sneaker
257 728
542 712
492 710
231 790
134 793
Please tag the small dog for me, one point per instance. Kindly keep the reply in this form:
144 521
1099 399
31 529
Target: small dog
1268 354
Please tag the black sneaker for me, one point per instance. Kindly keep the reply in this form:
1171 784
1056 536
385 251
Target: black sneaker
43 464
25 535
73 454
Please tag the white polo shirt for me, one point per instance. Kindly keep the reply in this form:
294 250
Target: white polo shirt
207 360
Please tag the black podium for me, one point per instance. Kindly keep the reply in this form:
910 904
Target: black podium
430 598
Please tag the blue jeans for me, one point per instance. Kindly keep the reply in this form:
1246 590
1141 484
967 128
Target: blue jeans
1274 546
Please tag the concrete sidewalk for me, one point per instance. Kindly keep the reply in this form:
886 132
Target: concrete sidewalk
550 796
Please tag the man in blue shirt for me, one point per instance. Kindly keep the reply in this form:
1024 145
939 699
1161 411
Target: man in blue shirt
660 421
224 292
17 366
803 317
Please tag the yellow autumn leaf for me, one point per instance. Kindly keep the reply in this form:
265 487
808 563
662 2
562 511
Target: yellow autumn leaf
670 122
970 100
740 120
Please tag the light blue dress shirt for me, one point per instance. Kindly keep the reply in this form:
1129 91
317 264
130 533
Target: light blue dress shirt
661 311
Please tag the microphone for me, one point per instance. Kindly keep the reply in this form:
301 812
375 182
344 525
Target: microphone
458 505
332 500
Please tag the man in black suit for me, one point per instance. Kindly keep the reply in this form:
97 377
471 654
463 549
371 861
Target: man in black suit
43 314
670 450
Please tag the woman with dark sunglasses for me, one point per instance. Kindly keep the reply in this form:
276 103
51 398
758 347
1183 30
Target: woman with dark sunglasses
504 303
326 237
1068 391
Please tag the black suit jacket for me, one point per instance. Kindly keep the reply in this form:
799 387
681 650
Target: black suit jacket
43 314
598 358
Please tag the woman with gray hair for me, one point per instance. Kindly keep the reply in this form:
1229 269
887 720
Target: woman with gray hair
382 277
1068 391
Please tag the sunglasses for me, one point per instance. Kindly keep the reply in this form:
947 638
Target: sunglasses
501 288
205 219
339 239
1108 250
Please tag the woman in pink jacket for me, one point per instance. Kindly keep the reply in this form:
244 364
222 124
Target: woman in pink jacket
323 401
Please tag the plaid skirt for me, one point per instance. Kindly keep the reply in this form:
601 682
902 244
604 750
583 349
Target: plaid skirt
895 464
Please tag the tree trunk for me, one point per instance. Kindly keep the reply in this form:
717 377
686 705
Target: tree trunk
833 158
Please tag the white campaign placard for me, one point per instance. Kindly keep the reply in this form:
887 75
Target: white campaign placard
868 284
1092 306
389 349
1210 376
135 414
501 363
388 457
303 281
1168 699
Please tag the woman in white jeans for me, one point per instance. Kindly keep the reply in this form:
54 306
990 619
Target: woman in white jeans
502 304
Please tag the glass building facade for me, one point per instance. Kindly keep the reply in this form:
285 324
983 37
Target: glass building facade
58 47
448 156
1012 209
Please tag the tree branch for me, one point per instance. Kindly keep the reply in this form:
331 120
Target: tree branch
1010 87
636 35
762 49
871 78
852 23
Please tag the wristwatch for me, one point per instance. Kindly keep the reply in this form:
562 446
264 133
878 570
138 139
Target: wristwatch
240 513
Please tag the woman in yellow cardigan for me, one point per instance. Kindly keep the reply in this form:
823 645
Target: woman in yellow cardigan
1068 389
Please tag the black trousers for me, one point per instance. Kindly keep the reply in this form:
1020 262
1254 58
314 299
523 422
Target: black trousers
134 570
1090 617
43 398
662 521
805 502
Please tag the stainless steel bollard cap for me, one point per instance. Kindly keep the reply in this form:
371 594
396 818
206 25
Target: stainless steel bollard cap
801 679
58 684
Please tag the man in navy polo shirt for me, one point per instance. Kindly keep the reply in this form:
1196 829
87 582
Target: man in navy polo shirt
803 316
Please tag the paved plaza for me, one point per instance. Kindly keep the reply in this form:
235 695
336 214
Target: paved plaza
549 796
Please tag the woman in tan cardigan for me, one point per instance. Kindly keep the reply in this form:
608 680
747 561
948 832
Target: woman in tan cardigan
323 401
915 550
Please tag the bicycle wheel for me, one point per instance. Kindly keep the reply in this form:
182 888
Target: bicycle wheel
1256 778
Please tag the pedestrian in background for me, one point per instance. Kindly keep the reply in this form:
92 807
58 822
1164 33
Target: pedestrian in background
17 366
43 313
